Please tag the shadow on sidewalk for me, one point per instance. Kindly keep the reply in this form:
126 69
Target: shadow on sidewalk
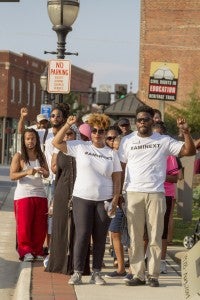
8 268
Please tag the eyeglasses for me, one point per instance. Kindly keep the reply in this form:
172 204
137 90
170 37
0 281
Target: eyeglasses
139 120
55 116
111 138
124 125
98 131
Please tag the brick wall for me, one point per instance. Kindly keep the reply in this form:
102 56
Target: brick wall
170 32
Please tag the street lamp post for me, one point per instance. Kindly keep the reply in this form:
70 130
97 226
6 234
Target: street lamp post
62 14
43 83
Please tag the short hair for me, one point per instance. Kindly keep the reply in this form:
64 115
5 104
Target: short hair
160 125
157 111
100 120
64 108
146 109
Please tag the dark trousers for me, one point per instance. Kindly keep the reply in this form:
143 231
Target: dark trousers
90 219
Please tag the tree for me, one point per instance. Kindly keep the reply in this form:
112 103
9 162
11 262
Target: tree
190 111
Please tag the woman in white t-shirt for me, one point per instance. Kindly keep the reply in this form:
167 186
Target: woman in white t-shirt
98 179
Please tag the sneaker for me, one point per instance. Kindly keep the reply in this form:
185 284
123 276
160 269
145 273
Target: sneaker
135 282
128 277
28 257
75 279
45 261
153 282
163 267
115 274
39 257
97 279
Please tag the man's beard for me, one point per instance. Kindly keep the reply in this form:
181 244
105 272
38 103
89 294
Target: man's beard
58 125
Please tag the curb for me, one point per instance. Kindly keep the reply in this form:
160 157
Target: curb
176 256
22 290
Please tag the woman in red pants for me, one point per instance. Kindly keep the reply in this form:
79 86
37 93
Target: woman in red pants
28 167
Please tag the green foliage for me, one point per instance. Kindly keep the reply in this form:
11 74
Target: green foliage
182 228
196 196
170 123
190 110
73 100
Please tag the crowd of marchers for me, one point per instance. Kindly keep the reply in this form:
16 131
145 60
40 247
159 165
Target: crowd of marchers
81 183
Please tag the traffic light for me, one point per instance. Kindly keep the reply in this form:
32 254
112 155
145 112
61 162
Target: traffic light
120 91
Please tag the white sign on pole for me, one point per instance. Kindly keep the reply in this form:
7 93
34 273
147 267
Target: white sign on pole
59 76
105 88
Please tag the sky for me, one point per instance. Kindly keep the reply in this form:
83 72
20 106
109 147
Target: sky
105 34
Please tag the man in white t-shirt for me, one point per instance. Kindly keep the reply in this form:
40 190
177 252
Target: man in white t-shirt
144 154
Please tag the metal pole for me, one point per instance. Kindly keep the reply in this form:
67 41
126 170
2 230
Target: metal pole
162 108
3 140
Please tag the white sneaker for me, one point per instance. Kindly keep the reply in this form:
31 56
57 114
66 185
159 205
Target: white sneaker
163 267
39 257
97 279
45 261
75 278
28 257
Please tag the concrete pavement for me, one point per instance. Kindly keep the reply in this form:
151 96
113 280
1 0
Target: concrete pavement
23 281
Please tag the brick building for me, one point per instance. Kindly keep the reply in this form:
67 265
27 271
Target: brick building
20 86
170 32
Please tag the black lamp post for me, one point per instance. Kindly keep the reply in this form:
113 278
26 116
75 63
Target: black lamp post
62 14
43 83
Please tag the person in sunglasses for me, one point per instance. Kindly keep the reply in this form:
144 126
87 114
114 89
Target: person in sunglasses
116 222
144 154
124 126
98 180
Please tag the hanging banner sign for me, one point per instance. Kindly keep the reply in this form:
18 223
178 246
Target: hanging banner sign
59 76
163 81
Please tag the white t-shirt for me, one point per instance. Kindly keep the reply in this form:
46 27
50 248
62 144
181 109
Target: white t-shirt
146 160
94 170
30 185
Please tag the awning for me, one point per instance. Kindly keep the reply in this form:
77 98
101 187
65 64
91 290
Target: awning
125 107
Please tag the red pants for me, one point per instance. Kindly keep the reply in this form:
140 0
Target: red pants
31 225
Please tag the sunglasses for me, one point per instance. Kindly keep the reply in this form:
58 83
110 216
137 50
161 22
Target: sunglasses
99 131
139 120
111 138
55 116
124 125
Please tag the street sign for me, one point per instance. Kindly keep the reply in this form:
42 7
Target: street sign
105 88
59 76
45 110
163 81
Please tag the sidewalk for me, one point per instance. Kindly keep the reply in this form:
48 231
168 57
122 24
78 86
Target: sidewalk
54 286
24 281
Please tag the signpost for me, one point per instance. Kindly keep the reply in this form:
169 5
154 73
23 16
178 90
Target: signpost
46 109
163 82
59 76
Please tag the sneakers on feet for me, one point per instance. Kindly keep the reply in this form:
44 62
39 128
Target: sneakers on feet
39 257
75 279
97 279
153 282
28 257
163 267
128 277
115 274
45 261
135 282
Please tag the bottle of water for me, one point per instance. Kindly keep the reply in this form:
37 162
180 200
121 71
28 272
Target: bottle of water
108 208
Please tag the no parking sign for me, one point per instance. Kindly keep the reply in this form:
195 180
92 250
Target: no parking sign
59 76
